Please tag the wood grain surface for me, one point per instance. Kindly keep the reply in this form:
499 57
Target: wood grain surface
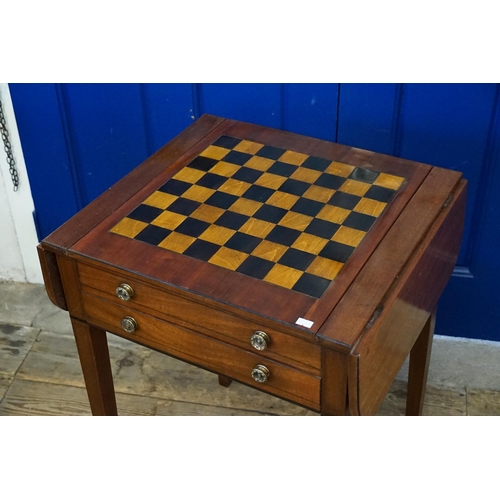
356 308
385 345
362 326
52 277
420 356
93 351
229 287
285 380
201 318
334 388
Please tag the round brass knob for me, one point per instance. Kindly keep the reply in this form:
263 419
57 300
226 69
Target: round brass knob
124 291
129 324
260 374
260 340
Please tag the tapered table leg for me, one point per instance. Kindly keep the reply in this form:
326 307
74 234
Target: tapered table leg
92 346
333 383
419 367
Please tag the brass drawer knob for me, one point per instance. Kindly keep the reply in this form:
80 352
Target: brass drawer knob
260 374
260 340
129 324
124 291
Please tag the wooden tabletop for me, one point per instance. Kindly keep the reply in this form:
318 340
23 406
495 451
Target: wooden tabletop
340 252
265 221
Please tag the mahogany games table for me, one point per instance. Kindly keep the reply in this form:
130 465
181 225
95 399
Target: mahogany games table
300 267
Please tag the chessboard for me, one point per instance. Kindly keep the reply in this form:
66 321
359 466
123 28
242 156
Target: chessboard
272 214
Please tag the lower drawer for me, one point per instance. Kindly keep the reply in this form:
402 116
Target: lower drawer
283 380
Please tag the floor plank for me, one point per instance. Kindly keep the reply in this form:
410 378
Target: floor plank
438 402
15 343
171 408
445 402
27 398
483 403
145 376
141 371
53 359
5 383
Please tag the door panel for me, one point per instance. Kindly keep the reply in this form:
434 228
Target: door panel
470 305
368 116
449 126
168 109
108 136
311 109
453 126
43 137
254 103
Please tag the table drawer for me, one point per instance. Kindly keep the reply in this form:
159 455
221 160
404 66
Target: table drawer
284 381
199 317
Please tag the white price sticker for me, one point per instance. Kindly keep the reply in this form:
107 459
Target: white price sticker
304 322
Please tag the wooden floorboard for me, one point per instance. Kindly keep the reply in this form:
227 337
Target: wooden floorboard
5 383
483 403
15 344
172 408
40 374
140 371
26 398
438 402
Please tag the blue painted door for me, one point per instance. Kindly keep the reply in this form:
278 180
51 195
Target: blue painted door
80 139
455 127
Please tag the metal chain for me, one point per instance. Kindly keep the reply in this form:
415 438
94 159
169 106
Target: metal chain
8 149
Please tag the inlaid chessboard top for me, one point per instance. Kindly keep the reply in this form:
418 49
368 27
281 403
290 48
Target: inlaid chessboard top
273 214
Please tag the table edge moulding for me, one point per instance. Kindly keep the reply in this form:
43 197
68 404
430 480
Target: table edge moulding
168 259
